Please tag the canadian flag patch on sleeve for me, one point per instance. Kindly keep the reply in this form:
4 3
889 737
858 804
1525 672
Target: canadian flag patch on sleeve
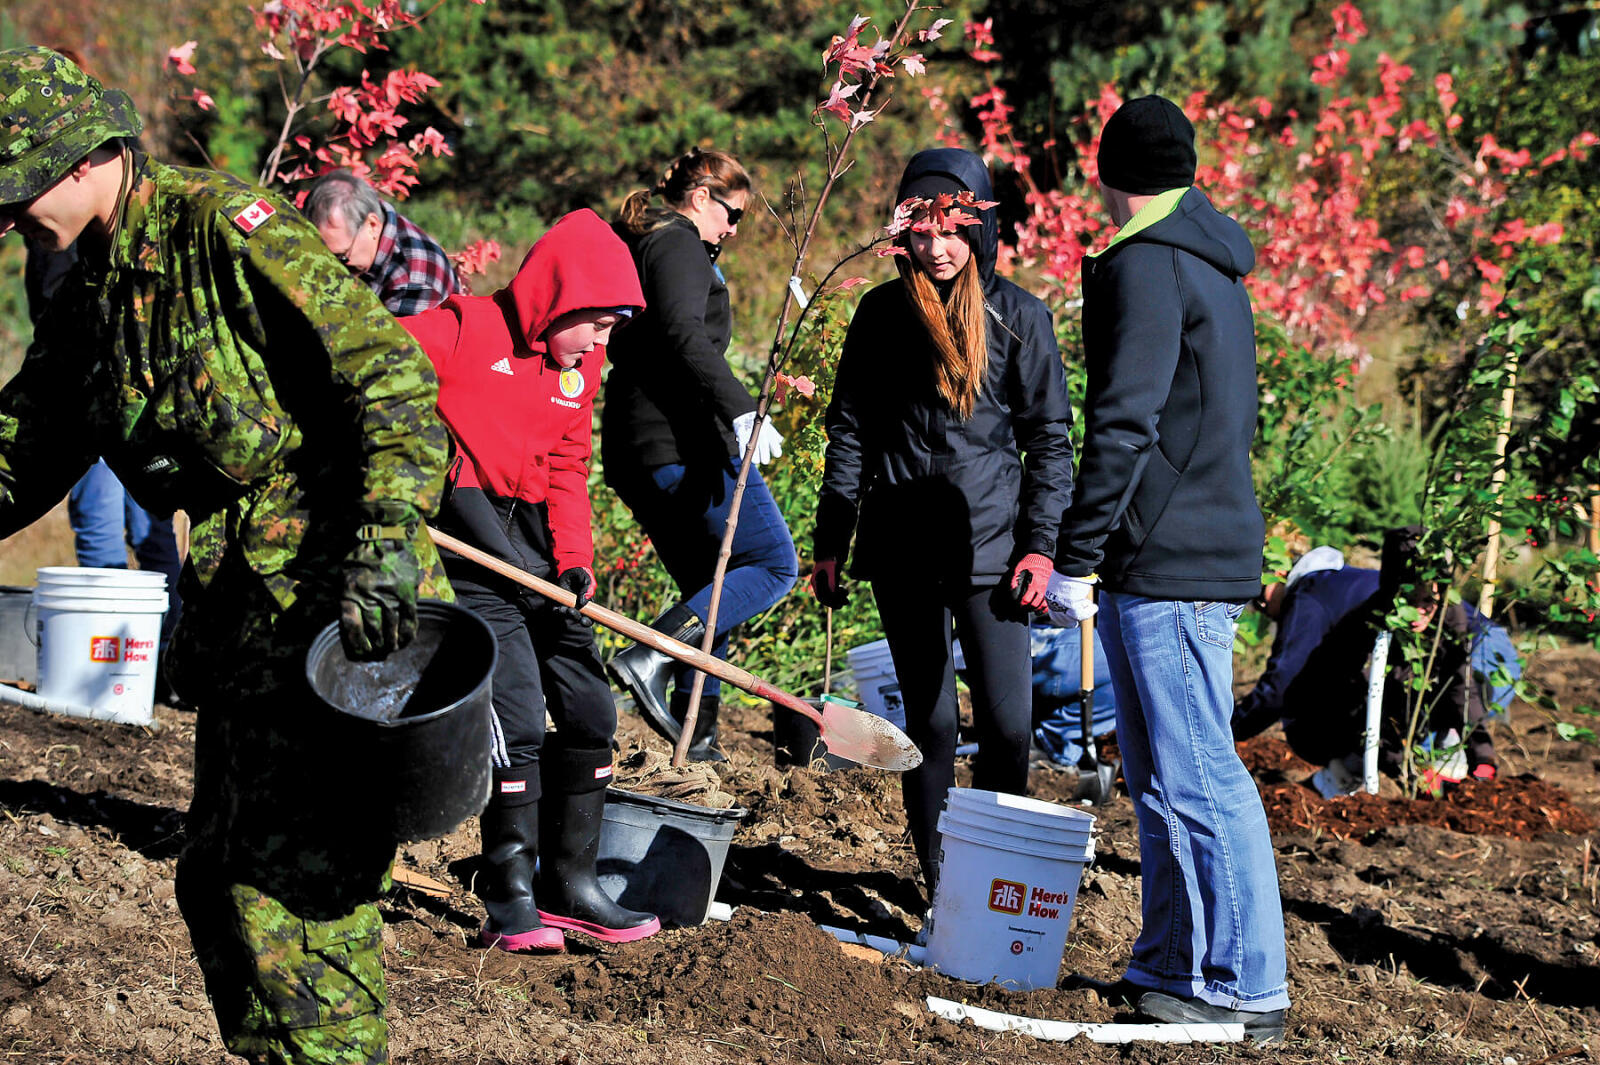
253 217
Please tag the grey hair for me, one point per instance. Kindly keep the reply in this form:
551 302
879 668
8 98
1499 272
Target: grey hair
342 192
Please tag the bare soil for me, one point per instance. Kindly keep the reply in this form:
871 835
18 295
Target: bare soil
1461 930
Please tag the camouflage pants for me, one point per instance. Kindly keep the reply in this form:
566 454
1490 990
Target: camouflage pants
279 882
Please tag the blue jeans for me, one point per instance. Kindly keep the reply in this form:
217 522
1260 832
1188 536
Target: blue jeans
1058 692
1213 919
106 522
683 510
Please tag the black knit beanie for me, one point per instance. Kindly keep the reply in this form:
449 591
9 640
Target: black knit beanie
1147 147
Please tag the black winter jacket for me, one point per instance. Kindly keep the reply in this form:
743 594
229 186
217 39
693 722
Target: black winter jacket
670 396
938 498
1164 504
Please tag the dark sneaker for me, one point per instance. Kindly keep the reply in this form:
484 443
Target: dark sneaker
1261 1027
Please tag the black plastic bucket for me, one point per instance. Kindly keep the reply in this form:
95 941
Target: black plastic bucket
426 714
664 857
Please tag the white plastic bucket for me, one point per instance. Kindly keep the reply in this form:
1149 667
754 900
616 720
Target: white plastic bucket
1021 816
1007 887
879 688
99 639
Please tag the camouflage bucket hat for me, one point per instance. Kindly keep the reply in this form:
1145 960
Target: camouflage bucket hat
52 114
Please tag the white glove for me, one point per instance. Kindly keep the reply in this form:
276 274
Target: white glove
769 442
1070 599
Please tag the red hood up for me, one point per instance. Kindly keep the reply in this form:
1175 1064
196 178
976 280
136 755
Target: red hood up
578 264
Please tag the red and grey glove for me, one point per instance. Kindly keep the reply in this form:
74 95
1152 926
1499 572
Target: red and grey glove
1029 579
579 580
825 584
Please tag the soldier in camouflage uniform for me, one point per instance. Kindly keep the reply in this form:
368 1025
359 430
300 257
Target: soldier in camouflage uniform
224 362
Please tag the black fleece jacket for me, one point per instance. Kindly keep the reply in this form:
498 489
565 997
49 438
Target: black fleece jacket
938 498
1164 504
670 396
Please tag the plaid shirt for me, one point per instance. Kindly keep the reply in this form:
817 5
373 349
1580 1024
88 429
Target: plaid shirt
410 273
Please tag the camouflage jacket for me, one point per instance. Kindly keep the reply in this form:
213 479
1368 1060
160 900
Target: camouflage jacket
224 362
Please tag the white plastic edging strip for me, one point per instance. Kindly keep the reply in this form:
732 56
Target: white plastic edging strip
10 696
1369 752
1062 1031
914 953
719 911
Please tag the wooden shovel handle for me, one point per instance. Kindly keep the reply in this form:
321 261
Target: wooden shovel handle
632 629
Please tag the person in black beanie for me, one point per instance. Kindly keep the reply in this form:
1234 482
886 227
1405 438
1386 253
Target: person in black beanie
1164 511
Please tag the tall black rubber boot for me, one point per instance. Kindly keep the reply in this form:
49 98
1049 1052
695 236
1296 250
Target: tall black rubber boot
645 672
569 889
703 741
505 877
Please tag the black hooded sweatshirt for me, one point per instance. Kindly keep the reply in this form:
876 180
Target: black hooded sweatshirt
941 499
1164 505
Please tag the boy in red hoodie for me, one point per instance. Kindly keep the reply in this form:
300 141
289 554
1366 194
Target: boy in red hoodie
518 372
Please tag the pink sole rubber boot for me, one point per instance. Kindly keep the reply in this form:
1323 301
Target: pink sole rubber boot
534 941
600 932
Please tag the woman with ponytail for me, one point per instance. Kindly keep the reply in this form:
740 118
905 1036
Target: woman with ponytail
674 429
949 464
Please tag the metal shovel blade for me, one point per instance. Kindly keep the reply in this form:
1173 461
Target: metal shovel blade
867 738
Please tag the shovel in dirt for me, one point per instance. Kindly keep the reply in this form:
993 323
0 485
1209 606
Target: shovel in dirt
847 732
1096 779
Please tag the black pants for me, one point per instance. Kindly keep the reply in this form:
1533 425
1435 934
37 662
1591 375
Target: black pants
917 620
548 661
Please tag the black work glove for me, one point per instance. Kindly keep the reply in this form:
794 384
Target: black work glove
378 609
579 580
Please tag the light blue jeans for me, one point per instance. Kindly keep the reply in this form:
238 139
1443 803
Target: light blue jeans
1213 919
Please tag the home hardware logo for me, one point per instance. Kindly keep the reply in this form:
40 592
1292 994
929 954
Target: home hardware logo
105 648
1005 896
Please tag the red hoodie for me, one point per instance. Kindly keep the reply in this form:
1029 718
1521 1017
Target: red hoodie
521 427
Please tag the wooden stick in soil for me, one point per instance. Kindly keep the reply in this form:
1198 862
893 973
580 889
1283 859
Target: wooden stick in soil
839 163
1497 481
827 654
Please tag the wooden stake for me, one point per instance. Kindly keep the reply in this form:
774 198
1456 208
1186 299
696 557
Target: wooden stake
1594 518
1497 482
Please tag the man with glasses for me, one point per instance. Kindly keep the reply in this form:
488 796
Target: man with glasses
405 267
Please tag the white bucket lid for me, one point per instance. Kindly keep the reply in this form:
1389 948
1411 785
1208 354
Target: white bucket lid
150 592
89 576
1017 808
1011 844
874 652
127 604
1070 838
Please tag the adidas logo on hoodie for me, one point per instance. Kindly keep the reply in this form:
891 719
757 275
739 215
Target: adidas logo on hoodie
503 366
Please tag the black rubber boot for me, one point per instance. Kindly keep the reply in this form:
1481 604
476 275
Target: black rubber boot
703 742
505 880
569 889
645 672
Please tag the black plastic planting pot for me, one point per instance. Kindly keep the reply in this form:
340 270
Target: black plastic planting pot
424 715
664 857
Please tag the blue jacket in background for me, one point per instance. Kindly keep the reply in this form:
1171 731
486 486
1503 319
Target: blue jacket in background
1317 603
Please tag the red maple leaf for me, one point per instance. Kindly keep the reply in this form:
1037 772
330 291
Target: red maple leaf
178 58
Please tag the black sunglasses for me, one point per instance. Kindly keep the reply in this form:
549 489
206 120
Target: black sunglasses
734 213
